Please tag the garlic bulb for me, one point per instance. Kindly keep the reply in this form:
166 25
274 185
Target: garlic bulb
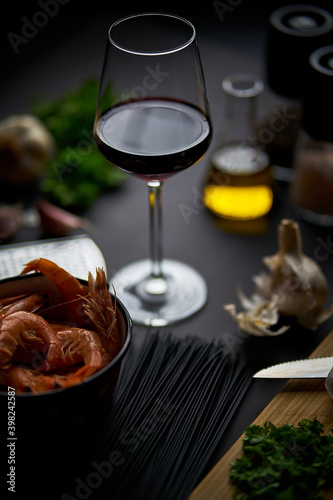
295 287
26 147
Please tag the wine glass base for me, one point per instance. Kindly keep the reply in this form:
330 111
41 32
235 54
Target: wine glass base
158 301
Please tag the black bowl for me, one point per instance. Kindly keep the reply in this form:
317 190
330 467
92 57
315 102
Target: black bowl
55 430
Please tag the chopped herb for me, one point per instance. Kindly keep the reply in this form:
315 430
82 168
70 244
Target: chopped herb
284 463
79 173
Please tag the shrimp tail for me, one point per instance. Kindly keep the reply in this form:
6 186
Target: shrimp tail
99 307
75 378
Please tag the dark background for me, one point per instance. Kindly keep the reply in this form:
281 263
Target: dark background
68 49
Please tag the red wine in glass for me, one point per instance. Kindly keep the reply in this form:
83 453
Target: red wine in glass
153 138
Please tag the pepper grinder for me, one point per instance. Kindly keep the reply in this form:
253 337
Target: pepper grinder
312 187
294 32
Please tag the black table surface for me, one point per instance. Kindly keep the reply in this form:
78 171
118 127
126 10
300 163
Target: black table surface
68 49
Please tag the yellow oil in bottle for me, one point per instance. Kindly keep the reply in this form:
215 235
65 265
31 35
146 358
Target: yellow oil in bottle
239 185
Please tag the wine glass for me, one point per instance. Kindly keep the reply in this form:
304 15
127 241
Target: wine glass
158 125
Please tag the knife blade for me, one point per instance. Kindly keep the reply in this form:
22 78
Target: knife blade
303 368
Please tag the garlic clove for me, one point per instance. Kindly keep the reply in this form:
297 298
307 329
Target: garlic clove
259 320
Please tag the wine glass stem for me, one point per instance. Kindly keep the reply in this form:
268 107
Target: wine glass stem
155 211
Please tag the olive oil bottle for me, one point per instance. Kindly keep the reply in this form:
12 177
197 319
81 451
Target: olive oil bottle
239 184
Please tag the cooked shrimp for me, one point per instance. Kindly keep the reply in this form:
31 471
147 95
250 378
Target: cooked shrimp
78 344
57 355
29 331
30 303
27 380
102 312
9 300
69 287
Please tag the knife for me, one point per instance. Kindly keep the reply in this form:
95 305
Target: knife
304 368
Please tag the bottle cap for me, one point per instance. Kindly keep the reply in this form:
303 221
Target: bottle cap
294 32
318 98
242 85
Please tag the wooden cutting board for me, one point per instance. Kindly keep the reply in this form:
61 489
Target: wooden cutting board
298 399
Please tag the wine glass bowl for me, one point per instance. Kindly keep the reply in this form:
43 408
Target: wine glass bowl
158 125
152 138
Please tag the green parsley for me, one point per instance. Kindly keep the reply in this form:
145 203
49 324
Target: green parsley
79 173
284 463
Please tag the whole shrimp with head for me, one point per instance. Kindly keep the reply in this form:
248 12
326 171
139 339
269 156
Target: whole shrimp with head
30 332
69 288
69 353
